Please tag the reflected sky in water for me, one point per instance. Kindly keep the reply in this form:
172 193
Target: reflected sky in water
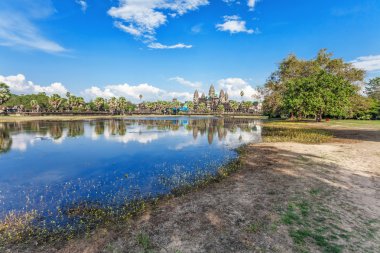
45 165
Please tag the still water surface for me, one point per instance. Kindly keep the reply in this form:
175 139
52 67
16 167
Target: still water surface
46 166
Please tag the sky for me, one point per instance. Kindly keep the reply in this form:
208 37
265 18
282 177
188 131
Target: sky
166 49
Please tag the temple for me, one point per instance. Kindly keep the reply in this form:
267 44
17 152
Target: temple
212 101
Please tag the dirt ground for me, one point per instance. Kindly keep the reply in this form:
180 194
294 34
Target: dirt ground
287 197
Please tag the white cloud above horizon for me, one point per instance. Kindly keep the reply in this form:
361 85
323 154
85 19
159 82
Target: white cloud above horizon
18 29
234 24
369 63
185 82
141 18
132 92
233 86
19 85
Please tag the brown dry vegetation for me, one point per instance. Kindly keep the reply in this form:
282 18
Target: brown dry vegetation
287 197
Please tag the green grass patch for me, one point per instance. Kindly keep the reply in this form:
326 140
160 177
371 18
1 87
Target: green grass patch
144 241
308 225
291 134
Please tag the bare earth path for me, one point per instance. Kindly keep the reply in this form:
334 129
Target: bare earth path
288 197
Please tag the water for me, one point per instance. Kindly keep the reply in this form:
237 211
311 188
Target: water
50 166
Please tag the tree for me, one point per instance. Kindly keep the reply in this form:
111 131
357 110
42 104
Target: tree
318 95
292 69
221 109
202 107
112 103
373 88
122 104
234 105
35 106
190 106
5 93
99 103
242 94
363 107
140 96
55 101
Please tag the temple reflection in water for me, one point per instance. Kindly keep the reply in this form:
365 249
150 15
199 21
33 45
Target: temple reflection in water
19 135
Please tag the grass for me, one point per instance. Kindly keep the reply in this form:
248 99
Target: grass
272 133
144 241
371 124
312 225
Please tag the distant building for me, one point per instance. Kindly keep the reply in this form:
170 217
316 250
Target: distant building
212 101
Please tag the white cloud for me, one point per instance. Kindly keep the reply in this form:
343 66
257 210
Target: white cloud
197 28
19 85
368 63
149 92
252 3
185 82
233 86
157 45
234 24
141 18
83 4
17 28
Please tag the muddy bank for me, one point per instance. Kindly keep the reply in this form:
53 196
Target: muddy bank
288 197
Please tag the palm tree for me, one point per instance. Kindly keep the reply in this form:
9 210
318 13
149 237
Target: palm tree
112 103
202 107
140 96
55 101
122 104
234 105
221 109
5 93
242 95
34 105
99 103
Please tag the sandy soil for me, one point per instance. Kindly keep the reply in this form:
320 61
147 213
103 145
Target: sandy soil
339 182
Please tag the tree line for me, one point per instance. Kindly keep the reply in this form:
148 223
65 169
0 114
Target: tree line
55 103
321 87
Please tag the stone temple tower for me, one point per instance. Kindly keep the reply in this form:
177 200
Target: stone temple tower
222 97
196 97
226 97
211 92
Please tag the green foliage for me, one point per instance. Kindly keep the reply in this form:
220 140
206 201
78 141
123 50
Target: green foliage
202 107
55 101
291 134
99 103
221 109
5 93
26 100
308 87
144 241
317 95
373 88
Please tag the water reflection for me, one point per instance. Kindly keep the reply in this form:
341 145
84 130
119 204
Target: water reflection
139 130
49 165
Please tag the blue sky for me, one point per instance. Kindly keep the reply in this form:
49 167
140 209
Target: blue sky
167 48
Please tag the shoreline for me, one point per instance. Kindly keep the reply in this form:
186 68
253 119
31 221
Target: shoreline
4 119
268 203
